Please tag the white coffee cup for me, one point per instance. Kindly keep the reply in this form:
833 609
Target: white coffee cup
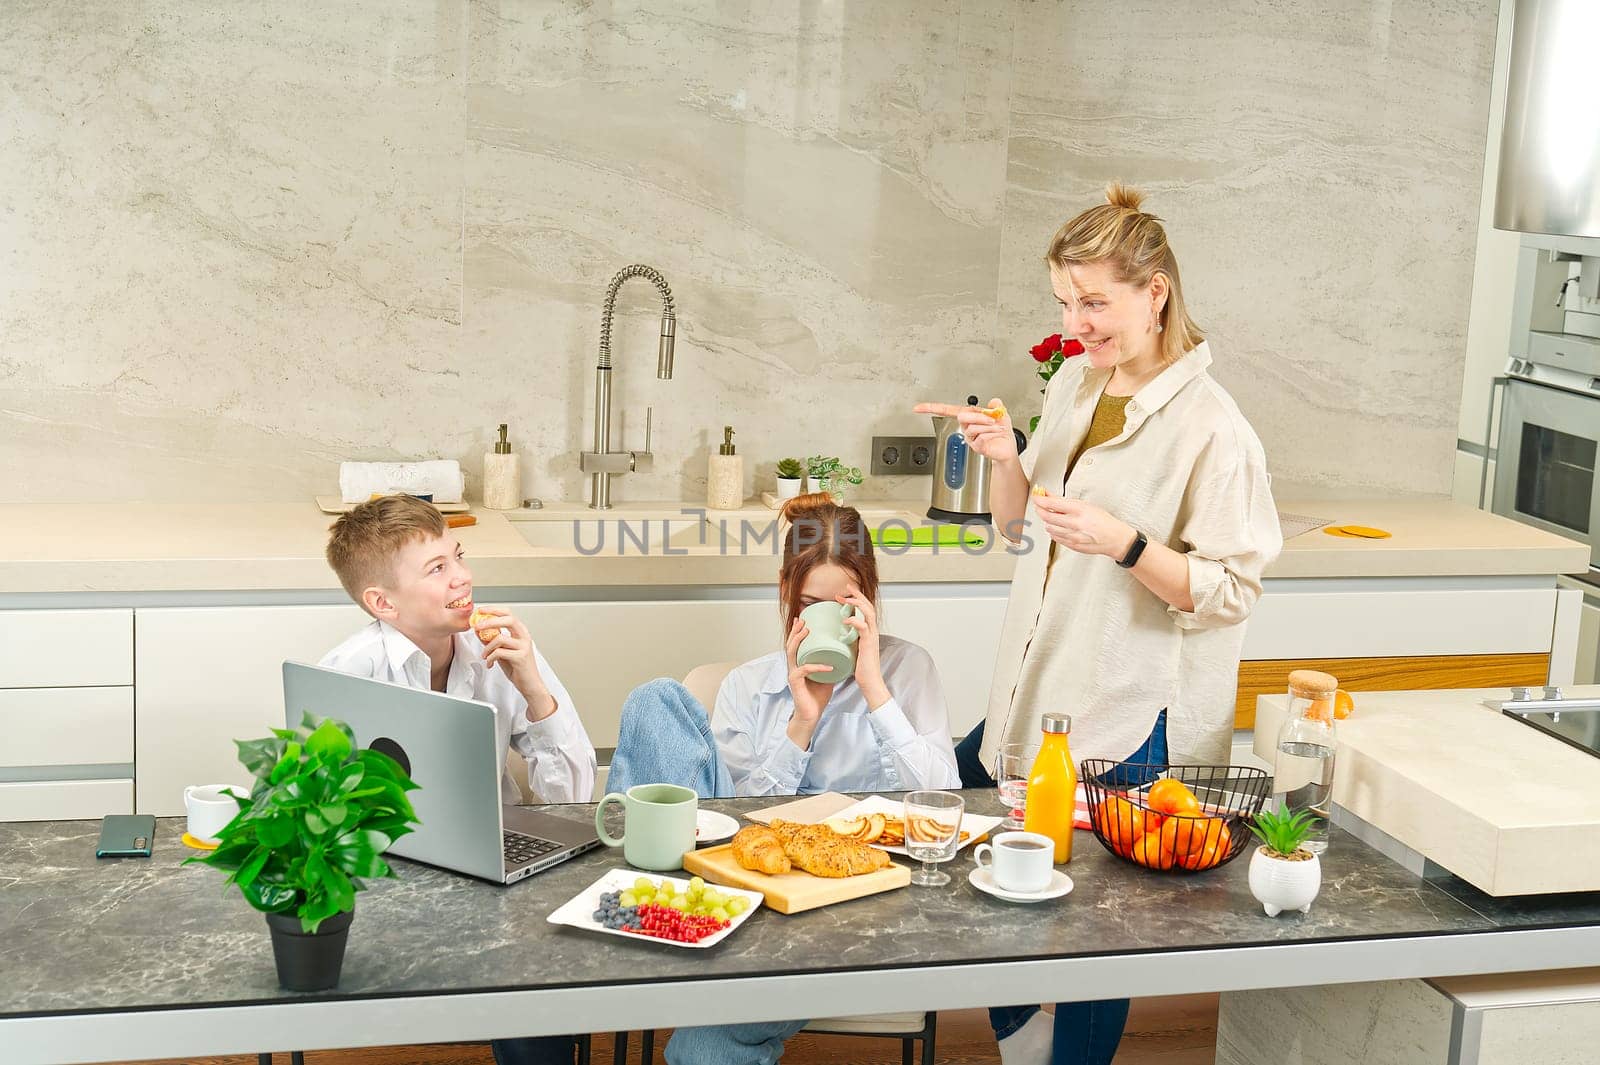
210 808
1018 861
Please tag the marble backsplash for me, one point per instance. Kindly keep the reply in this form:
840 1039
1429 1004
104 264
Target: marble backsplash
244 241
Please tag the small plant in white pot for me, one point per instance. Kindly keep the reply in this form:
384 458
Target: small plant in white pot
830 475
790 478
1283 874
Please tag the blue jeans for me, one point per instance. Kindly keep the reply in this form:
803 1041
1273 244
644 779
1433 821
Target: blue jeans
1086 1033
665 738
758 1043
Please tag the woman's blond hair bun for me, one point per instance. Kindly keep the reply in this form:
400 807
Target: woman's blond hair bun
1123 196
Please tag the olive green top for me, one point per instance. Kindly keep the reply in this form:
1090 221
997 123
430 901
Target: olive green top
1110 413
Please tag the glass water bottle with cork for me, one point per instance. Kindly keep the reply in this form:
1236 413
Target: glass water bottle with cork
1302 778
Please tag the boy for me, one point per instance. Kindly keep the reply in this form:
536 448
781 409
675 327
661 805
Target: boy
396 559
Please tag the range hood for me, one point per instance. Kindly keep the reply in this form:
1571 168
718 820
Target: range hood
1550 143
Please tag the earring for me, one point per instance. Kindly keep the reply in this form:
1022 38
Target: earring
1155 321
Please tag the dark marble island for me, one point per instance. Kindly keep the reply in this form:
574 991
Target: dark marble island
146 958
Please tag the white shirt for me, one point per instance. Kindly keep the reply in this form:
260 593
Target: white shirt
560 758
1083 636
903 745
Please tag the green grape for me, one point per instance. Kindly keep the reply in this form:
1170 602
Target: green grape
696 885
719 913
737 905
628 899
645 897
677 902
643 885
665 890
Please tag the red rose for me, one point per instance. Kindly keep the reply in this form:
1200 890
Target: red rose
1041 352
1072 347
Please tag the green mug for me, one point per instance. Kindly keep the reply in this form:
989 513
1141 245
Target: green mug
829 642
660 825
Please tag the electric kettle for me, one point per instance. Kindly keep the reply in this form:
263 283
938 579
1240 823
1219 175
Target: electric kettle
960 475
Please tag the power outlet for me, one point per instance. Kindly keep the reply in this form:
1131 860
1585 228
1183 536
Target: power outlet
898 455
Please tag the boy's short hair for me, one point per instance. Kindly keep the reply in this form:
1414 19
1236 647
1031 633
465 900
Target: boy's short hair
362 544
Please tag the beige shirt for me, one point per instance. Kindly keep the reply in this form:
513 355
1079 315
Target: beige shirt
1083 636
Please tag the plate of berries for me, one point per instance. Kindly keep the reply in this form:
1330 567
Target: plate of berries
680 913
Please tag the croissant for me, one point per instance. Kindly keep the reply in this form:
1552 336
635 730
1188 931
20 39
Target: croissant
757 847
821 851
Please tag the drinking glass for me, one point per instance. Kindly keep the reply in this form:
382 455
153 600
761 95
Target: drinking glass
1012 764
933 827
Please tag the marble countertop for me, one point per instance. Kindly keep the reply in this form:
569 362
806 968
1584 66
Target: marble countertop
77 934
1498 803
156 547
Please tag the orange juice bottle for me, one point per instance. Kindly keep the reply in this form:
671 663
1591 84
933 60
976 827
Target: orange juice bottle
1053 787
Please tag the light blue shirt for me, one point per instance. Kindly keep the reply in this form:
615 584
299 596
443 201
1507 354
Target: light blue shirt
902 746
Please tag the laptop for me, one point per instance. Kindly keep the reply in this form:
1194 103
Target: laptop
449 747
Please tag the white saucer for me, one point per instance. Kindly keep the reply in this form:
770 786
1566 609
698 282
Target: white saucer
710 826
983 880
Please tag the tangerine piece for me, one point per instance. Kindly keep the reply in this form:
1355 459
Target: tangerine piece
996 412
1343 704
480 623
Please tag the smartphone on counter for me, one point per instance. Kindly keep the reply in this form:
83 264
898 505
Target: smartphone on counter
126 836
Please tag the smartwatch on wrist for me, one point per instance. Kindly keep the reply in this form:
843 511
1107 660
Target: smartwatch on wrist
1131 559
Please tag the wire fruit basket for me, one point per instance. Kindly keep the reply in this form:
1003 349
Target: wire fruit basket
1173 818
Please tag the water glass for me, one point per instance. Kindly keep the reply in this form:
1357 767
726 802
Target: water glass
1012 764
933 830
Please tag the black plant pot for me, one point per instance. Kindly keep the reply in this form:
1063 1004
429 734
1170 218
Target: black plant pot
308 962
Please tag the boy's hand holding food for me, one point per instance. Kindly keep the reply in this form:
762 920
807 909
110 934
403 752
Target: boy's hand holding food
510 646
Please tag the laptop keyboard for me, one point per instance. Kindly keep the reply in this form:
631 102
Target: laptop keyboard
521 849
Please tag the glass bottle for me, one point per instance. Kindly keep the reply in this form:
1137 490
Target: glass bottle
1302 777
1053 787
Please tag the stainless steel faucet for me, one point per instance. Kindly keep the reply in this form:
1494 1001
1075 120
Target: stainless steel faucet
602 463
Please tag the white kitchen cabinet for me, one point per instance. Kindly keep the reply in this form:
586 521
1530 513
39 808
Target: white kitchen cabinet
212 675
65 648
66 713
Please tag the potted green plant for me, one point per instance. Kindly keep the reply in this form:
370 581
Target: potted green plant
318 820
1283 874
830 475
790 478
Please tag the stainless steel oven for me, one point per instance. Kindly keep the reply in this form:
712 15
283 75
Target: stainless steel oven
1545 473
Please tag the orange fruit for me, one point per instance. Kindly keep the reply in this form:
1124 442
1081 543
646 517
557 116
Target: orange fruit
1342 704
1320 710
1124 822
1183 836
1214 848
1150 853
1169 796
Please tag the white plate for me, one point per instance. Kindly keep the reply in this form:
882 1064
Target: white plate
975 825
983 880
578 911
712 827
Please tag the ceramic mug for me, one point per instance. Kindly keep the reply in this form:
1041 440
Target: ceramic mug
659 826
210 807
830 642
1018 861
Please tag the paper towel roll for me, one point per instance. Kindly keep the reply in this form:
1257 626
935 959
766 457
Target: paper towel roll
440 478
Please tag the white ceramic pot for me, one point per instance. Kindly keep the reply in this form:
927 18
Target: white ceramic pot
789 487
1279 885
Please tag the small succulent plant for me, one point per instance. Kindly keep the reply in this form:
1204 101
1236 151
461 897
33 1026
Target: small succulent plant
1282 831
789 468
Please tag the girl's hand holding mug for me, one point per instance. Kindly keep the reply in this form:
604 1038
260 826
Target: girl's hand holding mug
810 697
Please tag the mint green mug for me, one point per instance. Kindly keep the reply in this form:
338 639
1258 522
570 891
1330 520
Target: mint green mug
659 827
830 642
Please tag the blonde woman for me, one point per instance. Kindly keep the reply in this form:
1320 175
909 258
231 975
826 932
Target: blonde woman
1152 492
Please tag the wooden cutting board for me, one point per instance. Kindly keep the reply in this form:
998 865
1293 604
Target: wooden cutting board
796 891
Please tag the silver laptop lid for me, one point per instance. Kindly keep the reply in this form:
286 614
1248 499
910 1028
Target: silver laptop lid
448 745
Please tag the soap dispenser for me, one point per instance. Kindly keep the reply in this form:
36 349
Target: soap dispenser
502 476
725 476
